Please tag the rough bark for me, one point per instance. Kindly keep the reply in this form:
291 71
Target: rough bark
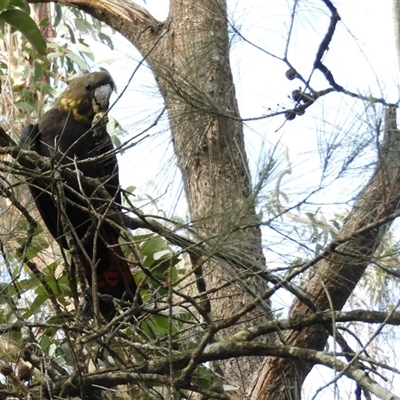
209 144
396 25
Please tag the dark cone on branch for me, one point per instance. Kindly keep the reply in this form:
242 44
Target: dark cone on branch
24 373
6 370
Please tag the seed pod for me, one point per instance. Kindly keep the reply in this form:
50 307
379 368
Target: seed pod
24 373
297 95
290 115
6 370
300 110
291 74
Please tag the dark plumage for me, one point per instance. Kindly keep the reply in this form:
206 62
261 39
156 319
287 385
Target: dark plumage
65 134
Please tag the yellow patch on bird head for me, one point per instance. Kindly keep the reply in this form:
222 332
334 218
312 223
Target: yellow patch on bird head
80 108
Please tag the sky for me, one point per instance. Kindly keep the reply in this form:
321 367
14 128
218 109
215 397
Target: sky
362 58
358 56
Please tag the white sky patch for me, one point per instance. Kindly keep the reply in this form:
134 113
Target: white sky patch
361 57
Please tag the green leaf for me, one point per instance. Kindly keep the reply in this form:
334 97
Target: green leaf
4 4
83 25
22 4
24 106
45 343
84 48
65 348
44 21
130 189
71 33
21 21
38 72
45 88
32 283
59 14
143 238
35 306
159 269
26 96
202 377
38 243
115 139
23 226
158 255
153 245
77 60
6 291
158 324
106 40
311 217
63 285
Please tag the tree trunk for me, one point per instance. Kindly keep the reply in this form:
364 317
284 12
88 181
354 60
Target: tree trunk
196 81
341 268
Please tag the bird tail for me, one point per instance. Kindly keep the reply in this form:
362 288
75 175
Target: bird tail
114 276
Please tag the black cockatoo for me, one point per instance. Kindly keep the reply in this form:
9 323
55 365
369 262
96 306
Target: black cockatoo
66 135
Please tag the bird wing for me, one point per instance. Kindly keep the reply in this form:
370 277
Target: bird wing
29 140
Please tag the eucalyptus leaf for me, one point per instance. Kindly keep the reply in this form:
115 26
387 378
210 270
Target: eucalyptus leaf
23 23
22 4
4 4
